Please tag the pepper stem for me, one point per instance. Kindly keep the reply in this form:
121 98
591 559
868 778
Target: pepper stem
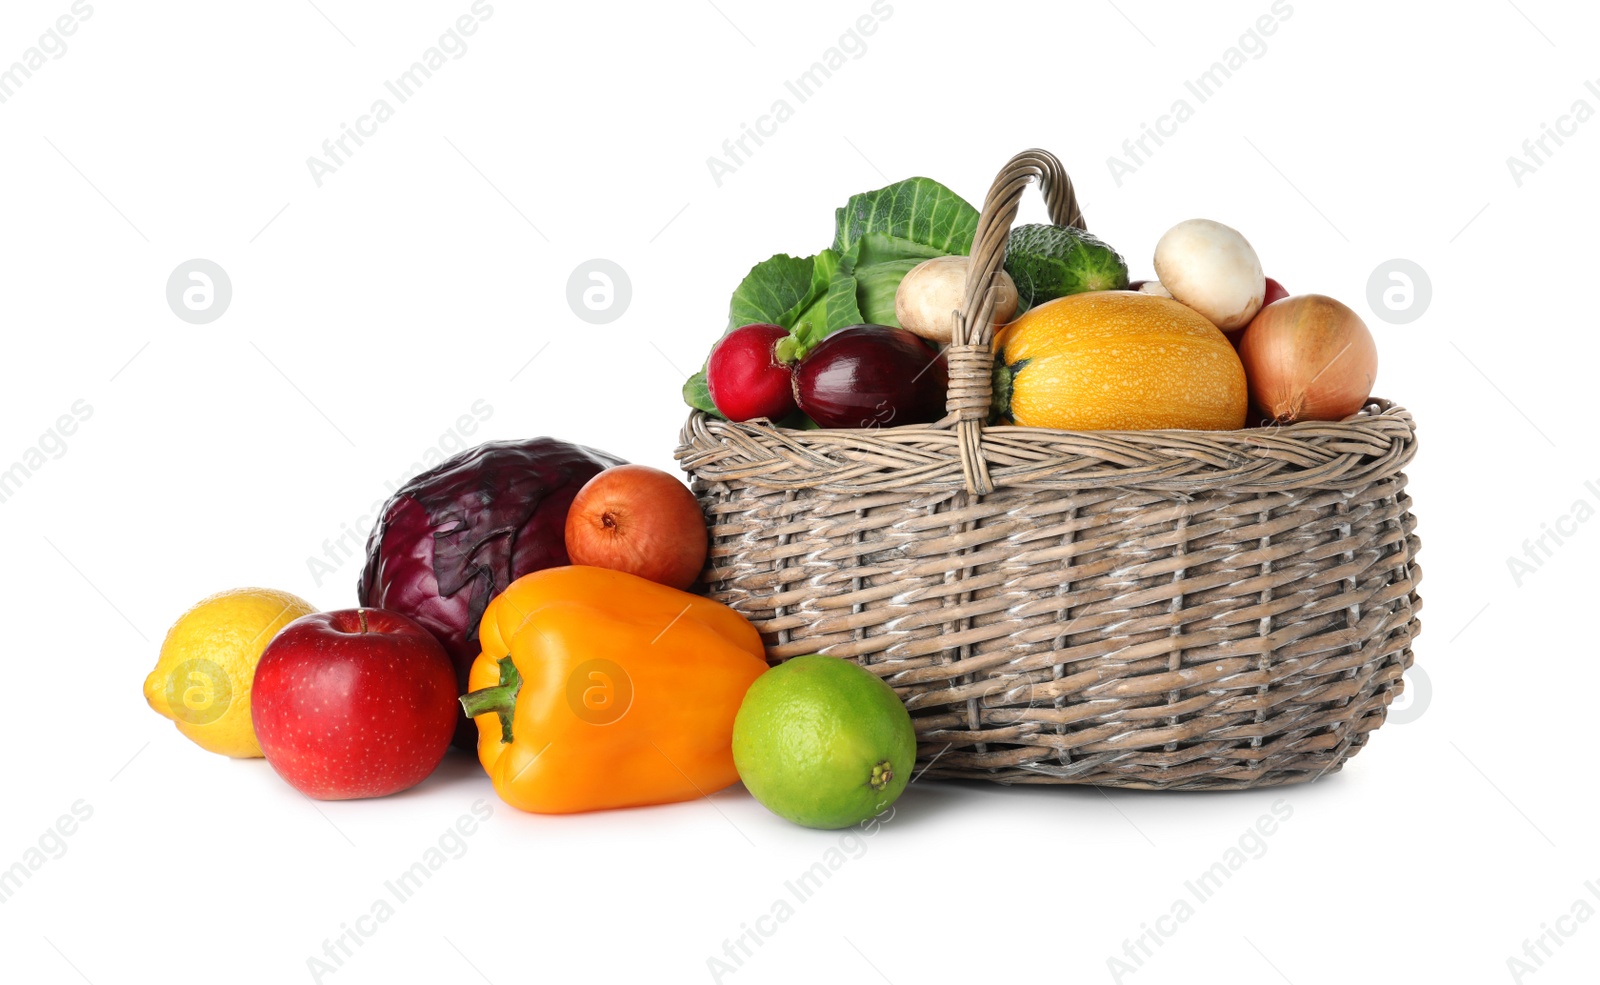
500 699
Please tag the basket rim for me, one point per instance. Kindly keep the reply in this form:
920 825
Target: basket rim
1374 443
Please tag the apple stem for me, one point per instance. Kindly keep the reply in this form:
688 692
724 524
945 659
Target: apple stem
363 614
500 699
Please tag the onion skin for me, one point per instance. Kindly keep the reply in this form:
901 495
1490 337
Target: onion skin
1308 358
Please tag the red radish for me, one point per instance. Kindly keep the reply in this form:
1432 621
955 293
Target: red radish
354 703
640 520
745 376
868 376
1308 358
1275 292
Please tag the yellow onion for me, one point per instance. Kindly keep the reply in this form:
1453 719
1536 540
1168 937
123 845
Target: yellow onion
1308 358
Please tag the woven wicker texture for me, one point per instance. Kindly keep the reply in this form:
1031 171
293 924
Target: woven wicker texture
1149 609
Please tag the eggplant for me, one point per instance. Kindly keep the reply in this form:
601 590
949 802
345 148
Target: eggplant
871 376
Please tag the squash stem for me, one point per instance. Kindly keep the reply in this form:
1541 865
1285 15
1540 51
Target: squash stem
500 699
1000 384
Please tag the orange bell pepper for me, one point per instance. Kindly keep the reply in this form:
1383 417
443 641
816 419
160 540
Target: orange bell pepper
599 689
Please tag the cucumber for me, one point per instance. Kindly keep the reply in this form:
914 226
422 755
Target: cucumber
1049 262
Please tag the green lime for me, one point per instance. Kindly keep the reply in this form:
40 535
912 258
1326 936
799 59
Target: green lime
823 742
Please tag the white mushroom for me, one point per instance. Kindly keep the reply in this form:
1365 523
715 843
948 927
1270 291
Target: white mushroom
1212 269
931 292
1154 287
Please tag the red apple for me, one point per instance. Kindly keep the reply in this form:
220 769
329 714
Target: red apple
640 520
745 376
354 703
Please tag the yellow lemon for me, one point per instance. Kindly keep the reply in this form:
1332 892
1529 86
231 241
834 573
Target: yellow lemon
208 662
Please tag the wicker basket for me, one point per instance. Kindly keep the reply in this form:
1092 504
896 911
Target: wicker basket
1148 609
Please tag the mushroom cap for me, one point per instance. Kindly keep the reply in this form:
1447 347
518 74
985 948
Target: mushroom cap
931 293
1213 269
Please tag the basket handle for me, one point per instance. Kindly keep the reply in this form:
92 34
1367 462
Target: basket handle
968 357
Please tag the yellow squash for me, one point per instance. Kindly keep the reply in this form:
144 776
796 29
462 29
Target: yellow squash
1118 361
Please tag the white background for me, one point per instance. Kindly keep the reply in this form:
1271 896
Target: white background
374 310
